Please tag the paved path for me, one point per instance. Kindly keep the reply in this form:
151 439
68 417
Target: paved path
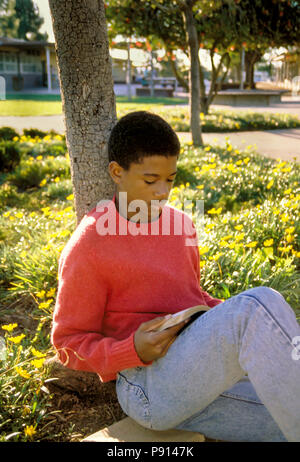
276 144
283 144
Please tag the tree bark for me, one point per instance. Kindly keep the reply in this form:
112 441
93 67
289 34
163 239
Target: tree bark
194 80
181 80
251 57
88 97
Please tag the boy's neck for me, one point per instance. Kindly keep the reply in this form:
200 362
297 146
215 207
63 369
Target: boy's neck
131 214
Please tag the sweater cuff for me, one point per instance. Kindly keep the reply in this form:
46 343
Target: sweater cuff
124 356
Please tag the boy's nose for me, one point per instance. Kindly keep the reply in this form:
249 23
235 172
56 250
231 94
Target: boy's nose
162 193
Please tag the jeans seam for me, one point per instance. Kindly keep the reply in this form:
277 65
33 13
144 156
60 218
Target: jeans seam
245 398
270 314
135 385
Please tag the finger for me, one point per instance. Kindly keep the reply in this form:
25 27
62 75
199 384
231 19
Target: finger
170 332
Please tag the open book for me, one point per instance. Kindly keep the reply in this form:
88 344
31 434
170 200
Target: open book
176 318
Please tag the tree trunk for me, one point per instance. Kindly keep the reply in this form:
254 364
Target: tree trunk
181 80
251 57
194 81
88 97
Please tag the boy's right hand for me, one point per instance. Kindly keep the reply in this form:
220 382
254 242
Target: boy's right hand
151 345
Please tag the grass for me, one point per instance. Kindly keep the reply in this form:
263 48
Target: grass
216 120
248 236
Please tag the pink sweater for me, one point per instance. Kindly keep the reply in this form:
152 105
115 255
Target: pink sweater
109 284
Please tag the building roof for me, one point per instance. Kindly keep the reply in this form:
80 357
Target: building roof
20 43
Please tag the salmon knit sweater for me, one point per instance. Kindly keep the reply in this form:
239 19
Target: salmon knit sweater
109 284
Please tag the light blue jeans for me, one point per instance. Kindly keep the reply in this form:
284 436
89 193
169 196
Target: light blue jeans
229 375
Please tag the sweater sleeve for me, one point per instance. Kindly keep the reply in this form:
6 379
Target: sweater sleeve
78 317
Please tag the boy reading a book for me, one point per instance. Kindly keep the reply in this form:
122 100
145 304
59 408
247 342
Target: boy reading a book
230 374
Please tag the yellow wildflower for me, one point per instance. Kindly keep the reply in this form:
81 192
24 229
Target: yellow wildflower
251 244
51 292
208 148
70 197
215 211
37 353
238 227
29 429
201 115
46 304
270 184
246 160
9 327
203 250
6 214
57 179
200 186
40 294
239 237
284 217
17 339
290 230
38 363
43 182
268 242
287 191
197 169
39 157
22 372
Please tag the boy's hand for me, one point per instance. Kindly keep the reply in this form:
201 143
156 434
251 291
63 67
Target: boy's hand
151 345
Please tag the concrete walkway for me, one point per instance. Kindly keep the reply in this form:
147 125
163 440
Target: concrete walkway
283 144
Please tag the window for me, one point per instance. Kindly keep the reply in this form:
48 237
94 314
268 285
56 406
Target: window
8 62
31 62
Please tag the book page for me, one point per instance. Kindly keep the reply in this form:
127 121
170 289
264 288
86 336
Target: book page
176 318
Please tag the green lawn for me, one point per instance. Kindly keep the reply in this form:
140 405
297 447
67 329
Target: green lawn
44 105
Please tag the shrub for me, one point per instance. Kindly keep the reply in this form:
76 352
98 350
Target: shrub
7 133
9 155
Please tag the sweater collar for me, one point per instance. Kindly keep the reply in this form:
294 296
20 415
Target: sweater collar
139 227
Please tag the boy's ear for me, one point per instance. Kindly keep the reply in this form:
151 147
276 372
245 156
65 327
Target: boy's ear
115 171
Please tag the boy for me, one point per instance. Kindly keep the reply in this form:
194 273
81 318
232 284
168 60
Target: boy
120 273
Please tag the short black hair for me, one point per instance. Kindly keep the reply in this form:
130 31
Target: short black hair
141 134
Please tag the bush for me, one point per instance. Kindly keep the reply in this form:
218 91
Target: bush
9 155
33 132
8 133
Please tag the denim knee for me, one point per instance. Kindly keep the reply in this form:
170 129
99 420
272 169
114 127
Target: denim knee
264 294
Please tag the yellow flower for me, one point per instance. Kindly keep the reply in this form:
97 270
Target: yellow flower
70 197
9 327
251 244
38 363
37 353
43 182
238 227
225 238
270 184
201 115
17 339
290 230
57 179
239 237
40 294
197 169
289 238
210 226
237 125
46 304
200 186
215 211
6 214
22 372
268 242
229 148
246 160
187 185
238 162
29 431
51 292
284 217
39 157
203 250
208 148
19 214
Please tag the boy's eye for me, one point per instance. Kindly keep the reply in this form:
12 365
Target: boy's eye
152 182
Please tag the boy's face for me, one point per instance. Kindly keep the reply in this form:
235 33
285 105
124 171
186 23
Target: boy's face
152 179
